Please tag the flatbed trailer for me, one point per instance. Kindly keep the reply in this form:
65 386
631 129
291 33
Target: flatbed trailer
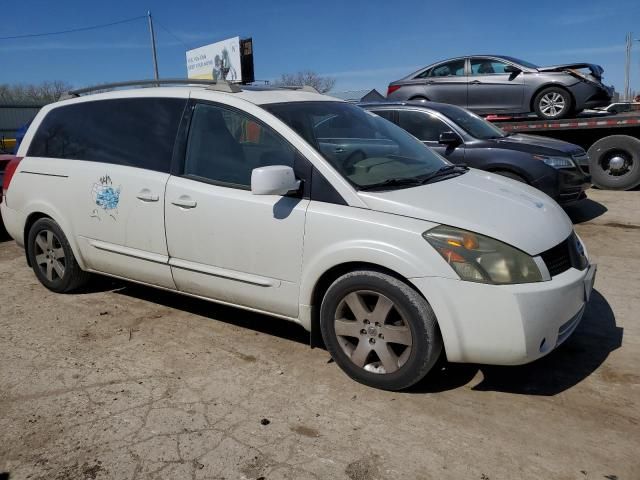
612 142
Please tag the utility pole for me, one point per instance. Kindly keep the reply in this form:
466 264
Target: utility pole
627 70
153 47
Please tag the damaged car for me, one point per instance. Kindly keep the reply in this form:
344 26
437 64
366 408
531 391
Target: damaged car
492 84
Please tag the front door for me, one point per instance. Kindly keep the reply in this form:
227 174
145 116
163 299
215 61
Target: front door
427 128
491 89
224 242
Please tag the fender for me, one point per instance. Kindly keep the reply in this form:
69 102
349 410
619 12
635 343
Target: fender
41 207
390 257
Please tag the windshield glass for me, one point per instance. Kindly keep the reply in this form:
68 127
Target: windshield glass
471 123
524 63
365 148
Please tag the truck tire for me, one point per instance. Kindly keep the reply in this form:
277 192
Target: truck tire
614 162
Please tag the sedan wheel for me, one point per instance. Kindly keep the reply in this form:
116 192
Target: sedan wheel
552 103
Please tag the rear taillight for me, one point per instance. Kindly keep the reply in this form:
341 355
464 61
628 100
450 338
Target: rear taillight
9 171
392 88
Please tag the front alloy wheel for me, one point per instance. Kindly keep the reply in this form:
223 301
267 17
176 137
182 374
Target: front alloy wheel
372 332
379 330
553 103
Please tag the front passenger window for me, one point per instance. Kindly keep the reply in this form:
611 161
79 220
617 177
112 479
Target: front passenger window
423 126
226 145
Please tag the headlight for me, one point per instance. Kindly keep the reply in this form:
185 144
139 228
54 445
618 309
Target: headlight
477 258
556 162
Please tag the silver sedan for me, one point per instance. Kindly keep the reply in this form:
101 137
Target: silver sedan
491 84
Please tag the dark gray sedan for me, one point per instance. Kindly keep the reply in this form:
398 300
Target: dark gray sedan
489 84
462 137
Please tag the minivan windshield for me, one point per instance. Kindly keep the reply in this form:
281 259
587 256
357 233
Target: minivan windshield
471 123
369 151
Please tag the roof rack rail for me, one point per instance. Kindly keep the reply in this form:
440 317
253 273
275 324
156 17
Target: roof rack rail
304 88
220 86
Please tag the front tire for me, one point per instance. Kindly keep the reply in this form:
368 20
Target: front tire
553 103
52 259
379 330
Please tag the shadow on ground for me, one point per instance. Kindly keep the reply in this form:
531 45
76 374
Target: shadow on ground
221 313
585 210
582 354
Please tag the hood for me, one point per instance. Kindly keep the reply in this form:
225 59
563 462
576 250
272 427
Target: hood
596 70
484 203
538 144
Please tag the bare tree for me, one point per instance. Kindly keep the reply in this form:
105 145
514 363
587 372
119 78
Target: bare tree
307 77
42 93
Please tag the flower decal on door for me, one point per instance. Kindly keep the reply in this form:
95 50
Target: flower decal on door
106 198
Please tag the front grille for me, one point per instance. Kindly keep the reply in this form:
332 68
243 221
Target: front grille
557 259
563 256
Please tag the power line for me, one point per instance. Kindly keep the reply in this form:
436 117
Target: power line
171 33
73 30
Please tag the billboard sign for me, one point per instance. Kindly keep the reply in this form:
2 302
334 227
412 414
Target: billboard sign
217 61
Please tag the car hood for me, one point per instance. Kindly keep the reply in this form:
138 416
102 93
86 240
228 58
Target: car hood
596 70
484 203
538 144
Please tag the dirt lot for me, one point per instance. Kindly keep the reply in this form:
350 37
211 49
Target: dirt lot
128 382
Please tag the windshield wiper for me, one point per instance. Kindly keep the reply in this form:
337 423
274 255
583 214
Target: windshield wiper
443 172
393 182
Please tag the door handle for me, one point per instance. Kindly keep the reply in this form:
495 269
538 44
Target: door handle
146 196
475 82
339 150
184 201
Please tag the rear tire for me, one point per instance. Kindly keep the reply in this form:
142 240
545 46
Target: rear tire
614 162
379 330
553 103
52 259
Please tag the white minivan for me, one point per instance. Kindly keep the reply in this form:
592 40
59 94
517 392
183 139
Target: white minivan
303 207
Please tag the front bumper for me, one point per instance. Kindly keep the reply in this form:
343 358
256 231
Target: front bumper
565 186
507 324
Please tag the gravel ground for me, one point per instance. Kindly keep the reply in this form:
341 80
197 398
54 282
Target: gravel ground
128 382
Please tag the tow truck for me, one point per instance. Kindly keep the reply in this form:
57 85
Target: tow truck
612 142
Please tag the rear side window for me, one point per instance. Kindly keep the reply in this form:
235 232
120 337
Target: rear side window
137 132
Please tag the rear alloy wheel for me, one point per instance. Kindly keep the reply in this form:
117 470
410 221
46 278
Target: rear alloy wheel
614 162
552 103
379 330
52 259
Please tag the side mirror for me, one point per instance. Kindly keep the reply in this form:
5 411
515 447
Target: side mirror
511 69
273 180
449 138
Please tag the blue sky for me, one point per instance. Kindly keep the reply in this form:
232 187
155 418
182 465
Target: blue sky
363 44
